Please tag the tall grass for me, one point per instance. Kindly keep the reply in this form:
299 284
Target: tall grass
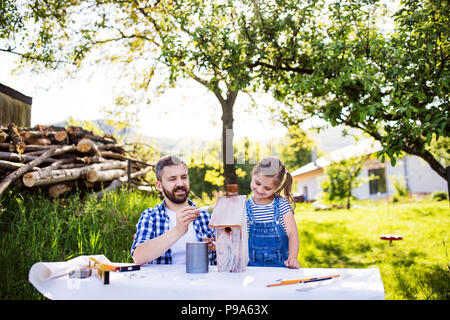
416 267
35 228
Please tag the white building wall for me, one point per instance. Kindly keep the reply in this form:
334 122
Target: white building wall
423 179
419 177
362 192
312 184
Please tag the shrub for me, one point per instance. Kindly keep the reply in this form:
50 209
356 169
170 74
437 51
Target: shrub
439 196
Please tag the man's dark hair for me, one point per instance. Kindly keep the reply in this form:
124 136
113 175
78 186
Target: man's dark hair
165 161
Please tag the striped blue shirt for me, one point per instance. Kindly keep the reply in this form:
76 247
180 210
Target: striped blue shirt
155 221
265 212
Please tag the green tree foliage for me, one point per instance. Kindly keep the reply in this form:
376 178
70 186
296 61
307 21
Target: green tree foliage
296 148
158 41
330 59
334 60
342 177
206 169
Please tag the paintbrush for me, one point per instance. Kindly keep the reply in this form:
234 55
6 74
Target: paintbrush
282 283
206 208
131 267
104 265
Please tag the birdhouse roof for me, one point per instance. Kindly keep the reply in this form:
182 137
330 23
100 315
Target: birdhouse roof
229 212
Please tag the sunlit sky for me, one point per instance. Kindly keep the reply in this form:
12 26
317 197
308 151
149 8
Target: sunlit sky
189 110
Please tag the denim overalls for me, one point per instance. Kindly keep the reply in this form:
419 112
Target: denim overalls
268 243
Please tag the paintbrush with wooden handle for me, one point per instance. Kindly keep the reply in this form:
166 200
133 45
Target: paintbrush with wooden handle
206 208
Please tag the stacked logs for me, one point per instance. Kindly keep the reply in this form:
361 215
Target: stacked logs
59 158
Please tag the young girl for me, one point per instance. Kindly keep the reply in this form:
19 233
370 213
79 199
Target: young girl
273 236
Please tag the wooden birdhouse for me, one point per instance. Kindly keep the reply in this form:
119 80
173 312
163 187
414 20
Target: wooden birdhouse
230 222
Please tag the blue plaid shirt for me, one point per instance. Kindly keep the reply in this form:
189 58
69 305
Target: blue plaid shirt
155 221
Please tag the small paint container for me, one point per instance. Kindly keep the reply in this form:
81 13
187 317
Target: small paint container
197 257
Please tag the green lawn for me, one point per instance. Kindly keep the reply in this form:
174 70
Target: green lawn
416 267
34 228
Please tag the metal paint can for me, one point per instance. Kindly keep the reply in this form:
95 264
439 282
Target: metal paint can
197 257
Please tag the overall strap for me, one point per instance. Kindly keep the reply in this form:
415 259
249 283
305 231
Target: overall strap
276 208
249 212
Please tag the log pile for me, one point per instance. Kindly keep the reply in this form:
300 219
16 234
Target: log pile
60 159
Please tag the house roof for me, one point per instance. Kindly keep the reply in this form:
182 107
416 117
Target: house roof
15 94
363 147
229 212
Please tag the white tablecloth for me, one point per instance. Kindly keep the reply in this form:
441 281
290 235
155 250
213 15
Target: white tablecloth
171 282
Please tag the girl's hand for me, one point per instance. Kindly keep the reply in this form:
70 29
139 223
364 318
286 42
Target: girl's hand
211 244
292 263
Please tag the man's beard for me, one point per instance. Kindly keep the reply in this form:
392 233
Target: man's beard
172 197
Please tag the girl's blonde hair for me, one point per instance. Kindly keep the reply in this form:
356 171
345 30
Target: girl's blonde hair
273 167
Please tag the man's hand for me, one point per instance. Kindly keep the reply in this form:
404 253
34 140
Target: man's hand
185 216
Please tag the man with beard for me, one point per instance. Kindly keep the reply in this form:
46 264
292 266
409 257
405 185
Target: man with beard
162 231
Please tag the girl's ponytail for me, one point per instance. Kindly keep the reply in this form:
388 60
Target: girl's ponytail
286 186
275 168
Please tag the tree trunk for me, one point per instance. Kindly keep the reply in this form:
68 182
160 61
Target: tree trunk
87 146
59 135
10 156
16 140
119 181
58 189
3 136
77 133
38 141
93 159
19 172
229 170
29 147
349 191
43 177
38 178
10 166
448 182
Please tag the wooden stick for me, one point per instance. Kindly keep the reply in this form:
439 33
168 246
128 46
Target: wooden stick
8 165
113 155
11 156
3 136
118 182
16 140
43 177
38 141
87 145
93 159
111 147
97 175
30 147
59 135
80 133
58 189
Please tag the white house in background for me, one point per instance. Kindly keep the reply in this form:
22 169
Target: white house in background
415 172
